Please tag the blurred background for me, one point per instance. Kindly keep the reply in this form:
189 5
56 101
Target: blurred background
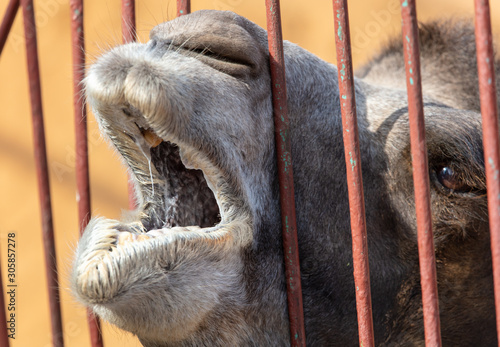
309 24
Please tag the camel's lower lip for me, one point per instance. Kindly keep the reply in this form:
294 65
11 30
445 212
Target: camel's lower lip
125 237
116 251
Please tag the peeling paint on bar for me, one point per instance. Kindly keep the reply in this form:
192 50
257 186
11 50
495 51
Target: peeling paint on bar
183 7
354 178
428 278
285 173
489 111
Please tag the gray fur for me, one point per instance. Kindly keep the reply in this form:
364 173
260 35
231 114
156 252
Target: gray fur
202 83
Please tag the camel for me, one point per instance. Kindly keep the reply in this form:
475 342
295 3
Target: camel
200 261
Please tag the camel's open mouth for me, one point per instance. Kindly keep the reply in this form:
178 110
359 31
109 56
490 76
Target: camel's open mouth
175 208
175 195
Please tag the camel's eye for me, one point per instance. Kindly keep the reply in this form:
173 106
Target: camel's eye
452 180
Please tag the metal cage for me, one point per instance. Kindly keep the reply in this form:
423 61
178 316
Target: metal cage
354 179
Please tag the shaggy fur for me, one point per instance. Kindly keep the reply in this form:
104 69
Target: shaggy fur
200 261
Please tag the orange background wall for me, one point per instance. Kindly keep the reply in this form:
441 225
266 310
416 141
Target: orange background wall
307 23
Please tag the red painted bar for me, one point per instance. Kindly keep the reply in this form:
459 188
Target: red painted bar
285 172
82 161
128 21
42 171
426 254
489 111
354 177
4 338
8 20
129 32
183 7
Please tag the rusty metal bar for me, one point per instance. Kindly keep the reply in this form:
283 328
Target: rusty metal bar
4 335
42 171
82 161
128 21
8 20
80 109
183 7
428 279
129 34
285 172
489 111
354 178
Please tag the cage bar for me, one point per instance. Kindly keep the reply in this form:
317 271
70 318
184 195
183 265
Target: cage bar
183 7
428 278
8 20
82 164
129 35
128 21
354 177
81 146
42 171
285 174
489 111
